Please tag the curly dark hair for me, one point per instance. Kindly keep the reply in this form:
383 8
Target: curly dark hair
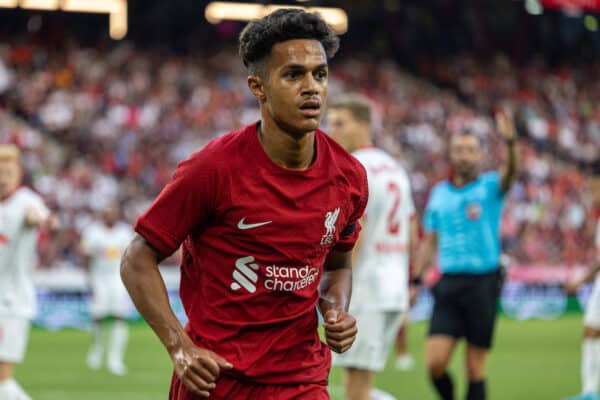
259 36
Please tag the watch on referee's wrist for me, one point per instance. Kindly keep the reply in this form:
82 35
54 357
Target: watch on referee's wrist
416 281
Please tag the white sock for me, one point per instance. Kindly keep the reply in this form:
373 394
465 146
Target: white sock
11 390
590 365
118 342
6 389
97 336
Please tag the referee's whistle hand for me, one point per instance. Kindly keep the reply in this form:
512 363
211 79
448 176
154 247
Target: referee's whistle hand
340 330
198 368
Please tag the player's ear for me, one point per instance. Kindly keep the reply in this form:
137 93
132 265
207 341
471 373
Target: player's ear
256 85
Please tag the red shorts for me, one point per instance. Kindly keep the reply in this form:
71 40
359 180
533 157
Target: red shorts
230 389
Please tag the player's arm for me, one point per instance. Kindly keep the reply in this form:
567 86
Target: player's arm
358 244
413 247
589 276
506 126
197 368
425 254
335 291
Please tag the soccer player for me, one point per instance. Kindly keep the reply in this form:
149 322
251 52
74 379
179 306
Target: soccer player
22 212
462 222
590 354
380 276
267 216
103 244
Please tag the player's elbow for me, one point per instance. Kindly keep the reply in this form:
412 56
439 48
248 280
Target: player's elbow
138 257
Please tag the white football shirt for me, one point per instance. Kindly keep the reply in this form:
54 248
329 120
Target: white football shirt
380 277
18 253
106 245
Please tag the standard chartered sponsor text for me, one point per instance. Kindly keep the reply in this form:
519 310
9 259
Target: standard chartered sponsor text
289 278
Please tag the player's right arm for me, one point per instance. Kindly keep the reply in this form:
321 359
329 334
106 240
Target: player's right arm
196 368
185 203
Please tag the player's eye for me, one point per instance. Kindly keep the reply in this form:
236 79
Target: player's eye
292 74
321 74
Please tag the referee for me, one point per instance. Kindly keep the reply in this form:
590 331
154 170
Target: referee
462 223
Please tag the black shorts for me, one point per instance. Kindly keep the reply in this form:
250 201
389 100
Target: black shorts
466 306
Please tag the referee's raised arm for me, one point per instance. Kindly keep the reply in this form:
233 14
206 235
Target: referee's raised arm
505 125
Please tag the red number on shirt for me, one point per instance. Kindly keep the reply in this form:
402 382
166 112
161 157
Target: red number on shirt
393 220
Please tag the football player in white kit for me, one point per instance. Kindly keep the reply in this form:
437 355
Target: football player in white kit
380 289
103 243
590 354
22 212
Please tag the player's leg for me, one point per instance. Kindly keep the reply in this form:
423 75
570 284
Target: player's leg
366 356
359 383
590 361
404 360
99 313
117 346
119 335
438 351
14 334
480 305
475 359
445 327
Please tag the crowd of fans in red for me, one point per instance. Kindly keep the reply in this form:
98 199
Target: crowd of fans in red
104 126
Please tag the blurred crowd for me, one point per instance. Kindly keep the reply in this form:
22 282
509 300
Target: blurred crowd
103 126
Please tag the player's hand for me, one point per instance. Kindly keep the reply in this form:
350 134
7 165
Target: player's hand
505 124
198 368
572 287
340 330
413 293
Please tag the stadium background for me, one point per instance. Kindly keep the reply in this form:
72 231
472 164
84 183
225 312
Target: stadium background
102 119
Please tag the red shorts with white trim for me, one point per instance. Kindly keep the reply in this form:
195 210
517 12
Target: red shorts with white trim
231 389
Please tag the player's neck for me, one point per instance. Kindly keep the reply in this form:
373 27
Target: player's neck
287 151
8 194
462 180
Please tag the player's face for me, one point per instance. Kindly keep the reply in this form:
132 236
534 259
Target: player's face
10 177
295 90
110 215
465 154
343 127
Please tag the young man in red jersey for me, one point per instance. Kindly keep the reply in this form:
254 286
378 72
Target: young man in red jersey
267 216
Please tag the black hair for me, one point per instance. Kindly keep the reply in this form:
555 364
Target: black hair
259 36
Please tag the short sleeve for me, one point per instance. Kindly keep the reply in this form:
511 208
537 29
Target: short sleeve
493 185
185 203
37 203
87 240
349 235
430 217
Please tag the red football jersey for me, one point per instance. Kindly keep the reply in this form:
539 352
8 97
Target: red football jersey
255 237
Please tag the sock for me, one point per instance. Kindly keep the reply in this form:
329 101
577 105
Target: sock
476 391
10 389
590 365
97 335
21 394
118 342
6 389
444 387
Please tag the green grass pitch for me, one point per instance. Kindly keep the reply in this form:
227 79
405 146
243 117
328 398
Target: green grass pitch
533 360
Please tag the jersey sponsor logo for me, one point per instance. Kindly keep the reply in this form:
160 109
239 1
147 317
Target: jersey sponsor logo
474 211
244 274
244 226
3 239
277 278
330 220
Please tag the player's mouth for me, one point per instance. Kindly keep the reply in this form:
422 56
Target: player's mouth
311 108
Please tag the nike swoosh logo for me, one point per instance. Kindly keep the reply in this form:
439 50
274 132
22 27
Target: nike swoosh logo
243 226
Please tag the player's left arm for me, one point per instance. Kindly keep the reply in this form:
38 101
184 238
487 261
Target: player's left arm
37 215
505 124
335 291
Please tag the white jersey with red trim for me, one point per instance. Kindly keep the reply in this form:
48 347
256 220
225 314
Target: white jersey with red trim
18 253
382 265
